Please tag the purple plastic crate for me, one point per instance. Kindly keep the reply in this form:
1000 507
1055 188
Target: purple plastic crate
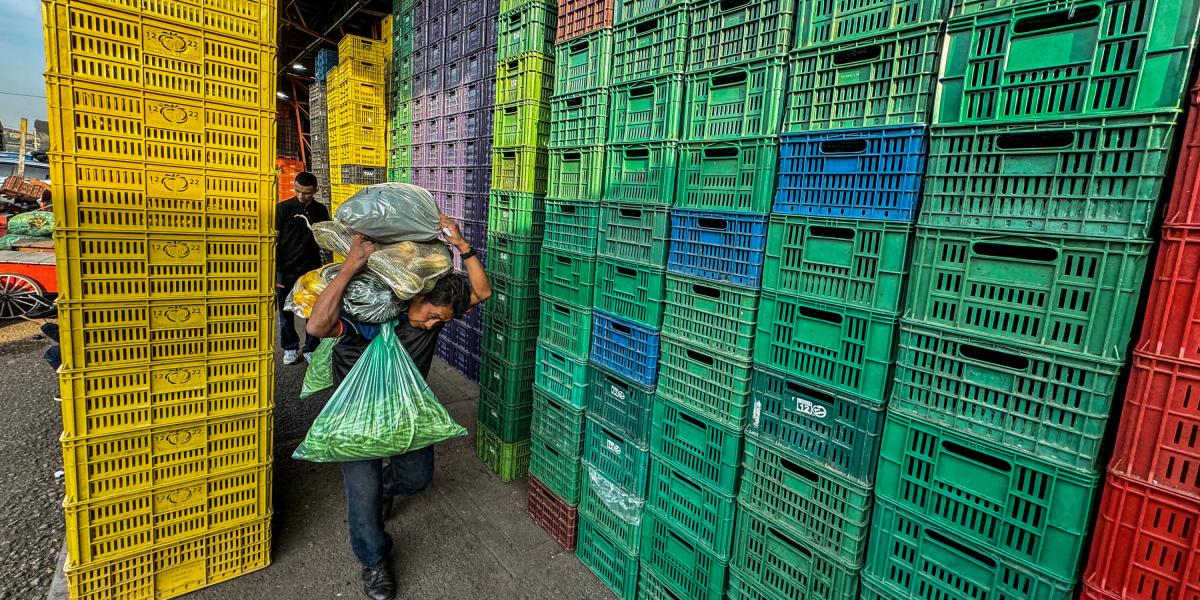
420 83
478 36
435 130
460 334
479 123
455 100
436 78
435 54
425 178
476 152
481 95
463 207
481 252
480 65
456 127
478 180
452 46
475 232
473 319
456 17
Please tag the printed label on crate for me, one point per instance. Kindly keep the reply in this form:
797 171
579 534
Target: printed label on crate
612 446
805 406
616 392
756 417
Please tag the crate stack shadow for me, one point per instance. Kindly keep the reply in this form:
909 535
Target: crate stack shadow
162 160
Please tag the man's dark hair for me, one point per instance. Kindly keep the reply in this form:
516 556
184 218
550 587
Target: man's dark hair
306 179
452 290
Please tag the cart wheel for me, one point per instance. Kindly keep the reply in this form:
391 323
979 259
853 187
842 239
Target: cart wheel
19 296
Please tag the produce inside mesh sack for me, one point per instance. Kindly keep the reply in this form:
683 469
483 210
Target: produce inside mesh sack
367 299
382 408
391 212
409 268
37 223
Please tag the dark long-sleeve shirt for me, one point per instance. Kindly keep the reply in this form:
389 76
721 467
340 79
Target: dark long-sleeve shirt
296 252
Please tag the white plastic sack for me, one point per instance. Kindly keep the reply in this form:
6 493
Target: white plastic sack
388 213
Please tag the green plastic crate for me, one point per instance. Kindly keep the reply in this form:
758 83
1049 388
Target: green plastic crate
885 80
651 46
567 277
646 111
1071 296
1043 61
726 33
731 176
625 11
714 385
630 291
604 556
780 564
821 23
509 421
825 510
737 102
844 349
559 470
571 226
567 328
683 565
513 302
861 264
584 63
713 315
522 169
509 461
513 258
1008 504
579 119
507 5
702 513
699 446
562 377
576 173
526 28
510 343
528 77
624 406
614 511
516 215
557 423
507 384
634 233
521 124
617 457
641 174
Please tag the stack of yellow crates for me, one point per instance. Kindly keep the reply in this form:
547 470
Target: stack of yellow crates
162 160
357 108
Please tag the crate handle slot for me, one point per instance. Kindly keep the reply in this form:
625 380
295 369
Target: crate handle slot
854 55
574 102
729 79
625 329
1013 251
510 154
1076 15
552 402
713 223
638 92
626 272
646 26
512 110
941 539
698 357
693 421
682 478
580 47
567 209
837 233
707 292
799 470
550 449
612 436
572 156
844 147
820 315
815 394
779 535
561 309
563 260
516 18
631 213
1035 140
976 456
995 357
724 152
615 382
689 546
727 5
637 153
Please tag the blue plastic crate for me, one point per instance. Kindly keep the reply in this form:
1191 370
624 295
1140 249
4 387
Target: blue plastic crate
870 173
625 348
718 246
327 58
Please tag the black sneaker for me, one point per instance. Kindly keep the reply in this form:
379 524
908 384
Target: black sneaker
378 584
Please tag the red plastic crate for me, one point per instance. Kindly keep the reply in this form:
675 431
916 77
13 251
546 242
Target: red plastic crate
1158 437
1184 206
1172 324
559 519
580 17
1147 543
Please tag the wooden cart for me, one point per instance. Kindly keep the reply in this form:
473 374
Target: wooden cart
28 283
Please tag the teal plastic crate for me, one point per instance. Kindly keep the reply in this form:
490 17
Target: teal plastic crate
646 111
624 406
614 511
567 277
567 328
844 349
578 120
736 102
641 174
697 445
571 227
1007 504
860 264
526 28
515 259
513 344
779 563
651 46
584 63
628 10
561 377
605 557
508 461
617 457
710 314
507 384
703 514
520 124
715 385
508 421
821 23
887 79
514 303
576 173
557 423
528 77
634 233
523 169
558 470
683 565
630 291
726 33
728 176
516 215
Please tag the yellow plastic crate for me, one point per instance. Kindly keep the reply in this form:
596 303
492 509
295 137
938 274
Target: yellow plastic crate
175 569
358 155
86 43
103 123
361 70
351 115
109 466
341 193
119 197
344 90
109 266
246 20
134 523
358 135
353 47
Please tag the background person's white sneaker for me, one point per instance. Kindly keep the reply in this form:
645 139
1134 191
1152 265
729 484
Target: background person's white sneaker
308 357
291 357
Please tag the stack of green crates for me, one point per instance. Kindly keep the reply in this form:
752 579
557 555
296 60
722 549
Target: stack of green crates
512 355
400 82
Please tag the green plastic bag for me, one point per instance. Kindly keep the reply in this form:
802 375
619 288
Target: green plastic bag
38 223
382 408
319 376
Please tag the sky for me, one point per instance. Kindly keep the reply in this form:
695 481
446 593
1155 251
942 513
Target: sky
22 62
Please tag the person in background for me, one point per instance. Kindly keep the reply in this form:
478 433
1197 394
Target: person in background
370 485
296 253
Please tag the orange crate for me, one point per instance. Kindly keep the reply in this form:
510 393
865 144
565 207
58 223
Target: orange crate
246 20
110 466
86 43
104 529
137 198
176 569
108 266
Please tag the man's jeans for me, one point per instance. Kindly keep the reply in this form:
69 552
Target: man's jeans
287 323
366 482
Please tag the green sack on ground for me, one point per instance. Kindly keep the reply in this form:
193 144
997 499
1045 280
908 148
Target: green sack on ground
319 376
38 223
382 408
